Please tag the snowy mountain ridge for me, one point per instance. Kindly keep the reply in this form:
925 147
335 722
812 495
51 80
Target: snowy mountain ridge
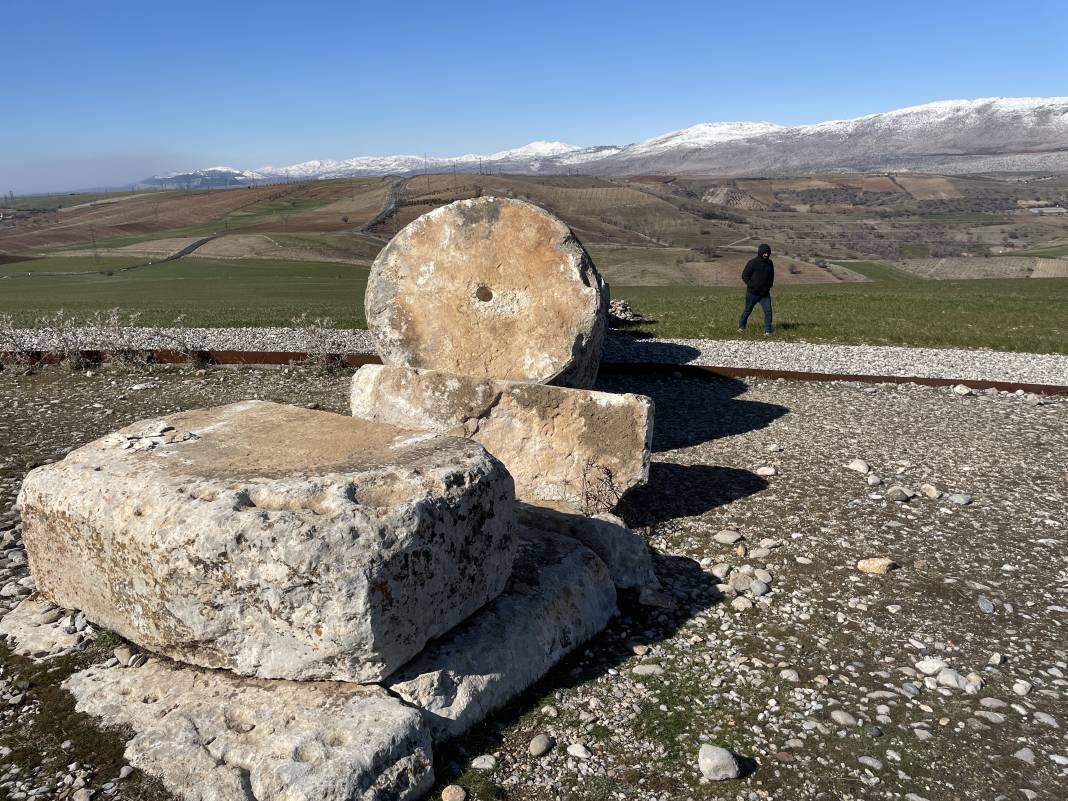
985 134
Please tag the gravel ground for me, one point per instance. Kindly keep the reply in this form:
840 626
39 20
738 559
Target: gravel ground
880 360
943 679
965 365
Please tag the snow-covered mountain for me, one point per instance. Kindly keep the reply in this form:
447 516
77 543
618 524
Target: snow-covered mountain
948 136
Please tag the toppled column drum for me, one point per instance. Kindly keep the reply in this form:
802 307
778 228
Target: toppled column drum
271 540
493 288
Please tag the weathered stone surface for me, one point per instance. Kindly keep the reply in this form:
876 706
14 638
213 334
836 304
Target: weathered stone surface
624 553
29 631
489 287
214 736
560 595
271 540
573 449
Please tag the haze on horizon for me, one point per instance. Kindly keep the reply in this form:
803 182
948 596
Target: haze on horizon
111 95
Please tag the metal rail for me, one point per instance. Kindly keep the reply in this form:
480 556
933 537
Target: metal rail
237 357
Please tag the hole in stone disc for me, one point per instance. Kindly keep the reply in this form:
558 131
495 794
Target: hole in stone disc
484 293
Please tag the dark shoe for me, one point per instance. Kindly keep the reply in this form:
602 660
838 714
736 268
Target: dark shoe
767 333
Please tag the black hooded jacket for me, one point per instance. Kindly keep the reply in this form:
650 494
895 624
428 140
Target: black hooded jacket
759 273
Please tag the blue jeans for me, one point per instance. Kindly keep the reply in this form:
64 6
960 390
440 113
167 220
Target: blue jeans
751 301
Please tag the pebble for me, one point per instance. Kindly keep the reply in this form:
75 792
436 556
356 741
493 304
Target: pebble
870 762
1025 755
986 605
898 493
484 762
767 471
930 666
858 465
759 588
540 745
579 751
740 604
1021 687
879 565
843 718
454 792
648 670
728 537
789 675
717 764
961 499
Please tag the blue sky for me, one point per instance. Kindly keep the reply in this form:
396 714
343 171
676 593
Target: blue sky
107 92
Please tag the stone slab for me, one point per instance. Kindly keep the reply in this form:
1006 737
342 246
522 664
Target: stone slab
272 540
624 553
489 287
559 595
30 631
575 449
213 736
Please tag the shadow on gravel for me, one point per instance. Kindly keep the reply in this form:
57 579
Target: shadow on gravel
692 591
695 409
640 349
680 490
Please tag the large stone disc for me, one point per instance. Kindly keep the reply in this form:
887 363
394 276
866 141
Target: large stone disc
490 287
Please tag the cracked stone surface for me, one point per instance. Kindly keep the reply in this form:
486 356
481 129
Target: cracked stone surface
213 736
575 449
560 594
490 287
272 540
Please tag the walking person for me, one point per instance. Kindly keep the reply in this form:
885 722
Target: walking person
759 275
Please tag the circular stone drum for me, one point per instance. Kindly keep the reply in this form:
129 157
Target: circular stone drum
489 287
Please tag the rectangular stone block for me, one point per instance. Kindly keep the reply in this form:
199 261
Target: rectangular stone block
212 736
573 449
271 540
560 594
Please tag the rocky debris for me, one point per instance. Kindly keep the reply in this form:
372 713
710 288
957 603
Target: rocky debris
575 449
560 592
879 565
717 764
202 547
213 736
621 312
490 287
859 466
454 792
623 552
962 390
960 499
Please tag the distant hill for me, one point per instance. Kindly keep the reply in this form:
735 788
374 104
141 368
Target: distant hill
948 137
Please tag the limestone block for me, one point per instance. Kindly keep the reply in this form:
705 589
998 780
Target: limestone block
272 540
560 595
489 287
575 449
624 553
31 631
214 736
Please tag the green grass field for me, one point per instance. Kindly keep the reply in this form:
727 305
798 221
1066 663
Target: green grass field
16 270
1023 314
1015 315
211 293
